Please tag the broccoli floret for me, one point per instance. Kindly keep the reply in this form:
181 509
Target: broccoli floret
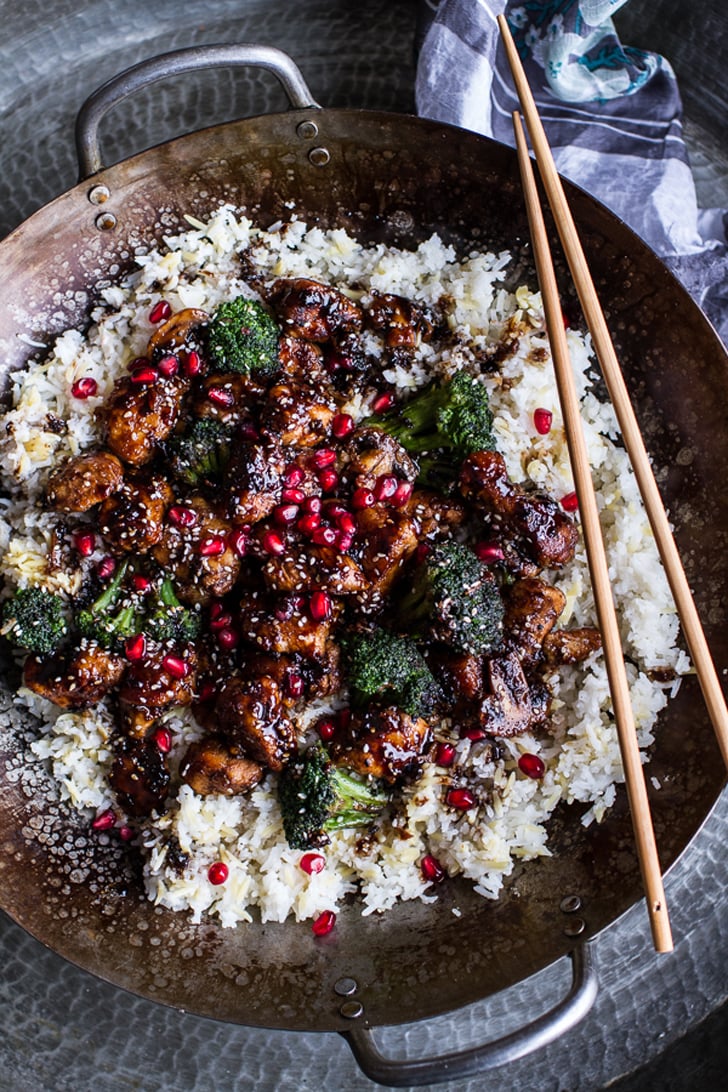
317 797
170 621
380 664
454 597
105 621
34 620
243 337
202 452
441 426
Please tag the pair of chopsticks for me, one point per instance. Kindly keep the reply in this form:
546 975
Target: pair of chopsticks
634 444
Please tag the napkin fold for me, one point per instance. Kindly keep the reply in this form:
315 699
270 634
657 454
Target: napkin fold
612 114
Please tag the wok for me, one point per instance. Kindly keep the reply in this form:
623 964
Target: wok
396 179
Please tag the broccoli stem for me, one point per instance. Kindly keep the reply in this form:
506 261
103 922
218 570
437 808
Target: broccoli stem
110 594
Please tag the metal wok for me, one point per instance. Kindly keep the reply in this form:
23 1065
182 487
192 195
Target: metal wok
396 179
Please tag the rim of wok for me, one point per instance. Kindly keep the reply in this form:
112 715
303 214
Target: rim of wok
396 179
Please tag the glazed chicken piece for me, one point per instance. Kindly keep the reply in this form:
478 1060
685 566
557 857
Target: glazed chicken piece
571 646
459 673
383 743
507 709
372 453
139 416
210 768
549 534
132 519
313 311
285 626
252 720
229 398
139 776
297 414
84 481
298 677
434 514
405 322
318 566
302 361
532 610
197 552
174 333
389 539
76 681
253 480
164 678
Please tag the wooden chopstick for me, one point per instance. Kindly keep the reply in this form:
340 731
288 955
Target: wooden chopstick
598 569
601 339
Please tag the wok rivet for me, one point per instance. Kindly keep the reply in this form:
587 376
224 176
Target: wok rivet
105 221
351 1010
574 927
345 986
319 156
307 130
99 195
570 904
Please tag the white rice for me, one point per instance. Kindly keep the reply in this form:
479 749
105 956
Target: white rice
200 268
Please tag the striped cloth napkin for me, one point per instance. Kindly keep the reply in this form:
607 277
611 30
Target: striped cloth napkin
612 114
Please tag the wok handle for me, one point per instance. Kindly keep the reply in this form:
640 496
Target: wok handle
468 1063
173 64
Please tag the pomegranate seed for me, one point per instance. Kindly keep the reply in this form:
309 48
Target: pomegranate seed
325 456
217 873
542 419
431 869
216 610
221 396
228 639
308 524
126 833
326 729
312 506
106 568
532 766
344 540
324 536
312 863
383 402
85 543
343 717
294 684
192 364
84 388
144 375
565 320
328 479
283 514
385 487
141 583
221 621
341 425
138 362
181 516
570 502
293 496
346 523
293 475
248 431
320 606
239 540
402 494
324 923
135 647
176 667
338 361
272 543
462 799
489 552
212 547
474 734
421 553
334 509
105 820
444 754
168 366
160 312
362 498
163 738
289 606
207 691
